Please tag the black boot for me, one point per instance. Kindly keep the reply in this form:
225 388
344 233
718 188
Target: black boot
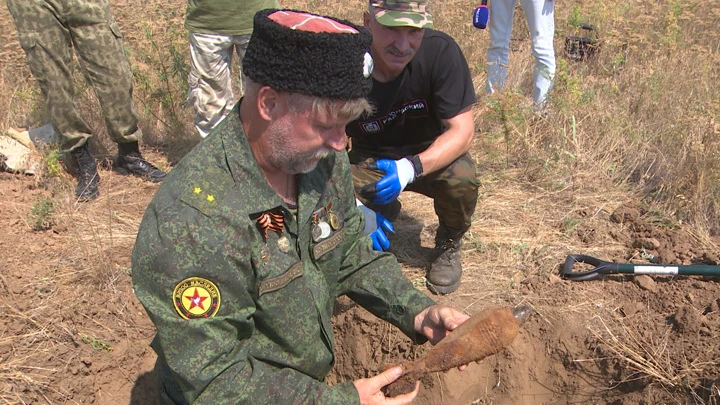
87 187
445 272
130 161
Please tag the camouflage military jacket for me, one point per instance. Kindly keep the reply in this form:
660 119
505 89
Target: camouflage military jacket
242 301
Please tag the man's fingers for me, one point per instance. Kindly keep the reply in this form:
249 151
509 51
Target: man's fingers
450 318
380 241
455 319
404 398
379 192
368 164
383 240
385 165
385 182
376 243
387 376
387 226
384 192
383 198
369 191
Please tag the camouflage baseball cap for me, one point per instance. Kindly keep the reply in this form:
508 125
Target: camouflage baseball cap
403 13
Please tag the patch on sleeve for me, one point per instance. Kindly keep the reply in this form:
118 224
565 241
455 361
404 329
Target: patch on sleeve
196 297
208 191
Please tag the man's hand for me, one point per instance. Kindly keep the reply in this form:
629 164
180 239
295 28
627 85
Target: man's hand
437 321
398 174
375 226
370 392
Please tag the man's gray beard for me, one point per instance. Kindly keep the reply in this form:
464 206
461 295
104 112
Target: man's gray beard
305 163
288 161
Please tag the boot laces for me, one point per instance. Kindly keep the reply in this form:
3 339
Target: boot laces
447 244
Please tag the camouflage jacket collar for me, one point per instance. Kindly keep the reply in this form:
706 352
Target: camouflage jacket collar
244 169
248 175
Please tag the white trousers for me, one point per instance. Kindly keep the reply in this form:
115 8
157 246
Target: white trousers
540 15
210 81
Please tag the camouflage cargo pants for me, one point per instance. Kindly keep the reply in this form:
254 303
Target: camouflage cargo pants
210 80
48 30
454 191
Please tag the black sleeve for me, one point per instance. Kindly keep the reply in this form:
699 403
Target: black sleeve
453 88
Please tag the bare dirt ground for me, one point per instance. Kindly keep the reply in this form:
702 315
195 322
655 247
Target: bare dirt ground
622 340
73 331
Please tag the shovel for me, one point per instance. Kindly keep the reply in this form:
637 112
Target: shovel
603 268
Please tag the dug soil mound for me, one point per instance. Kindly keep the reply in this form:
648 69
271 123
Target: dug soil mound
623 339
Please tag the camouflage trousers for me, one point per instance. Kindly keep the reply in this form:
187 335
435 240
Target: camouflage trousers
48 30
210 80
454 191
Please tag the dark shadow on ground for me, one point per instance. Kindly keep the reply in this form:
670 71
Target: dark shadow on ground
407 242
145 391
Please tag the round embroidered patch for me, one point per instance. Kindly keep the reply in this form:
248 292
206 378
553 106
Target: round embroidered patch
196 297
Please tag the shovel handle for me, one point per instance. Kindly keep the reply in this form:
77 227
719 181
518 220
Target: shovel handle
603 267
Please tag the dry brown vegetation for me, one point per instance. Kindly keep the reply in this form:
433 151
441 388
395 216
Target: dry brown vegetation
637 126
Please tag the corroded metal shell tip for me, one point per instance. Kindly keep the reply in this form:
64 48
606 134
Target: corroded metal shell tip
522 313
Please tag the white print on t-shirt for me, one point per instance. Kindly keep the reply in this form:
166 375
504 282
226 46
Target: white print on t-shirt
377 124
372 126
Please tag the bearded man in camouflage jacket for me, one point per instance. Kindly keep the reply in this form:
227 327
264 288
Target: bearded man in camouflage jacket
255 233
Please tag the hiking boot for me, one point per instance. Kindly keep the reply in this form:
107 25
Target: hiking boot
445 272
130 161
88 178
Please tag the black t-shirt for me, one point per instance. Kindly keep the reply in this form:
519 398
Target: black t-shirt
435 85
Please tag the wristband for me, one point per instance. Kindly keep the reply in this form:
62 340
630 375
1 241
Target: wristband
417 165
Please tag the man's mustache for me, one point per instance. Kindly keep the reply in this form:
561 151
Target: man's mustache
393 50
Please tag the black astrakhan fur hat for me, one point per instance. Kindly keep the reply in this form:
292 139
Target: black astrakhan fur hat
300 52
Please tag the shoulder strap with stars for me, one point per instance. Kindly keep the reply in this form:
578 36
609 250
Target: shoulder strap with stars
208 190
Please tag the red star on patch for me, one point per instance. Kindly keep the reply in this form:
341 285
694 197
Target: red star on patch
196 300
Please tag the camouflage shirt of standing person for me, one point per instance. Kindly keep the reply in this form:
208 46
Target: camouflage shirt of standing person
227 17
241 288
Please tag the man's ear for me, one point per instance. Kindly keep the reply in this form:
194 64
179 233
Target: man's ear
268 103
366 20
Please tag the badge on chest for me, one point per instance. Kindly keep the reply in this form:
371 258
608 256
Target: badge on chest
324 223
272 221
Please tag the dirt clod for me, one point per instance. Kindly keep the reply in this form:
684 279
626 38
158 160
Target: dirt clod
646 283
688 320
625 214
646 243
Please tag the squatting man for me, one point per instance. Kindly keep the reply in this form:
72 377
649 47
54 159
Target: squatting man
419 135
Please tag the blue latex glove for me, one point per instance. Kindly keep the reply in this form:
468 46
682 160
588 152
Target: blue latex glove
398 174
375 226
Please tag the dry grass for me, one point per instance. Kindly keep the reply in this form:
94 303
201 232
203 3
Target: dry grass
650 358
645 358
644 112
24 368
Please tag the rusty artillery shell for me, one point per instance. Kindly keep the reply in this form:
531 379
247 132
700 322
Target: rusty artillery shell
482 335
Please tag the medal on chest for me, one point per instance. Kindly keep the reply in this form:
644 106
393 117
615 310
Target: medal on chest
324 223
